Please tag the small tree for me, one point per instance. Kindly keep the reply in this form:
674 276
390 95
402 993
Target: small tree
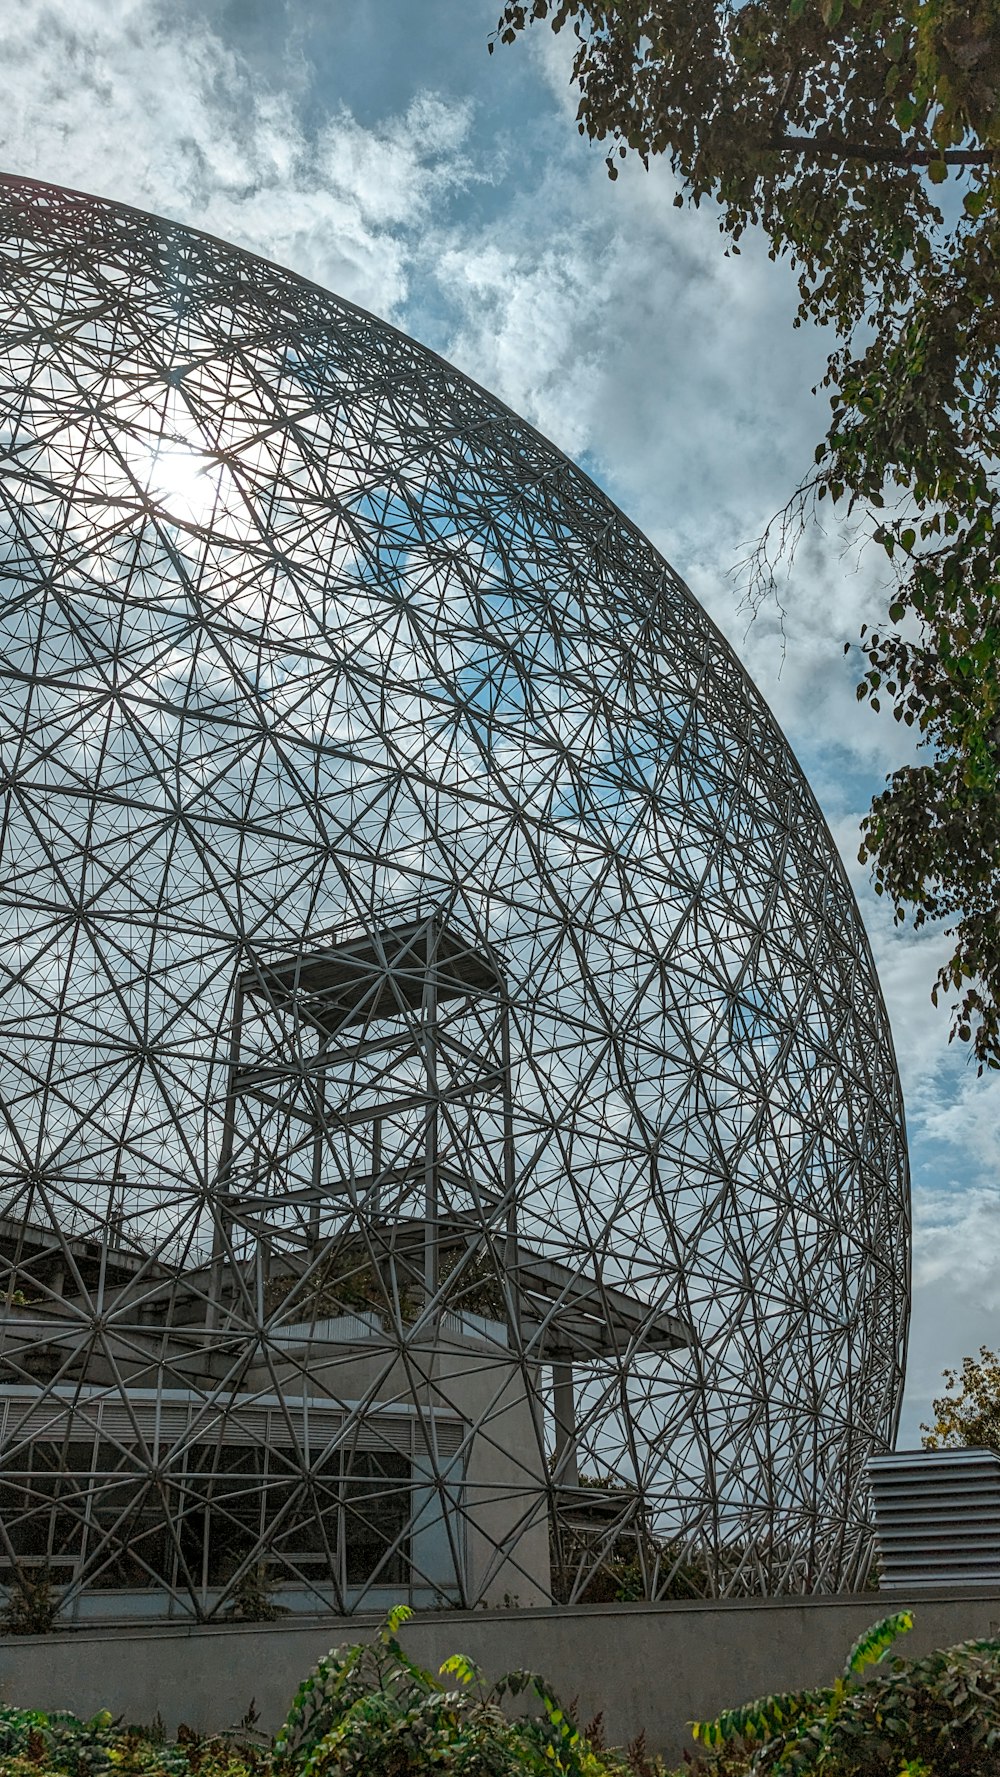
968 1416
33 1605
253 1597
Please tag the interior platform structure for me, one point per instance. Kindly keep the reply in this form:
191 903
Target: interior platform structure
358 1383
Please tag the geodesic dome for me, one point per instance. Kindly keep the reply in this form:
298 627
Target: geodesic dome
452 1146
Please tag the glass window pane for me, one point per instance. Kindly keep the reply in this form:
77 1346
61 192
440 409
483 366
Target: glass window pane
377 1508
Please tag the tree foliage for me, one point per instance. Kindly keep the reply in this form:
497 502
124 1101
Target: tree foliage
367 1710
938 1716
863 138
968 1415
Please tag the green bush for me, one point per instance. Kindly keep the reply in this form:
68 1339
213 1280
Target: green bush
938 1716
32 1606
33 1744
367 1710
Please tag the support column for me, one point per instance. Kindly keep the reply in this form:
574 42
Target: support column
510 1173
319 1142
375 1198
223 1179
566 1471
429 1016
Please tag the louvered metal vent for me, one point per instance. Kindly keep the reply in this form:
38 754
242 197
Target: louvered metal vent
262 1421
937 1517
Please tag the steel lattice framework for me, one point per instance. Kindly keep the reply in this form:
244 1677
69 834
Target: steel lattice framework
452 1146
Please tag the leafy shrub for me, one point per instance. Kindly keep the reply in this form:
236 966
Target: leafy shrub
346 1282
33 1744
938 1716
33 1605
61 1745
253 1599
368 1711
364 1711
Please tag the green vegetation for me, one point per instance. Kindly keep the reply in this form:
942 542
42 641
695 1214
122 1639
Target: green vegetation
348 1281
934 1717
862 137
61 1745
968 1416
367 1710
33 1606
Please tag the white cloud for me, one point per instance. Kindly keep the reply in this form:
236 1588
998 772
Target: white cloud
122 101
620 329
970 1120
956 1291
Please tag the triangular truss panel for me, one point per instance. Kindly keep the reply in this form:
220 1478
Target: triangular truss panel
450 1142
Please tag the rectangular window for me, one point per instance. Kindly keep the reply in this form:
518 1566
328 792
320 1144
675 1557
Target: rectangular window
343 1519
377 1507
129 1540
43 1505
222 1495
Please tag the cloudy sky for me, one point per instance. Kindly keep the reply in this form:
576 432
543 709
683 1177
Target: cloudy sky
375 146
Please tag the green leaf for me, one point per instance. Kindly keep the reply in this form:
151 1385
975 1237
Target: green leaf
397 1616
937 172
762 1718
974 202
906 111
870 1647
460 1667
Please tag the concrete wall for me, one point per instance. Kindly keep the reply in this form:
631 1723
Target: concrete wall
651 1667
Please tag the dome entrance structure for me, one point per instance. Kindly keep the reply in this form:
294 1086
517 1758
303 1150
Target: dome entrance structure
452 1148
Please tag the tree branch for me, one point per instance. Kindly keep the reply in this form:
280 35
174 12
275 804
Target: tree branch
898 157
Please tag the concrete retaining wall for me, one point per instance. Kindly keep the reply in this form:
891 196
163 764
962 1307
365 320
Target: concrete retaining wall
651 1667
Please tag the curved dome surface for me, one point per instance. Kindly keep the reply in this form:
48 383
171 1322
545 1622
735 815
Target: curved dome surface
429 990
